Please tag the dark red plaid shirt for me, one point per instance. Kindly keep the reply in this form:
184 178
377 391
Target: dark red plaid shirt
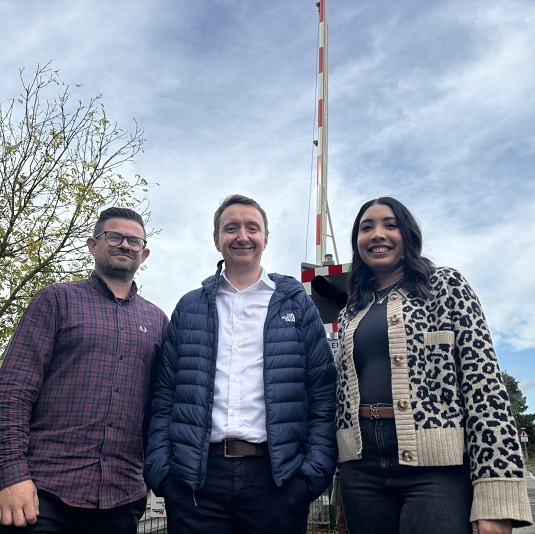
73 389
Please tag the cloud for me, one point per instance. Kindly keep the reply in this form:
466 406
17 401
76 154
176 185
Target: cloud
526 385
431 103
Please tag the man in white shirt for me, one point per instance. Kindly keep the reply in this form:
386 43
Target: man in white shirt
242 436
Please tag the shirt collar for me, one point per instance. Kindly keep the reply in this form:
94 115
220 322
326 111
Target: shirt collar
264 281
102 287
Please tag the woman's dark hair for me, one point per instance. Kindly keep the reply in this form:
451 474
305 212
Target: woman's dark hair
417 268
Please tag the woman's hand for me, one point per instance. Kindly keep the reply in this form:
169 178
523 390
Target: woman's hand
492 526
341 526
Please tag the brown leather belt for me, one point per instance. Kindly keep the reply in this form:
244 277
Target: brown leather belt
376 412
237 448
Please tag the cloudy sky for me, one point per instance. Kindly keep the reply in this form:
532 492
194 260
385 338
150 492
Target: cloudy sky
430 102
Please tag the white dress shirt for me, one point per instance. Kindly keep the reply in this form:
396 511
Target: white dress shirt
239 407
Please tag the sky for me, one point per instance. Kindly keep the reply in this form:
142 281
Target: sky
430 102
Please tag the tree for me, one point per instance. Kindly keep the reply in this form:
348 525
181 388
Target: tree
516 397
59 162
518 407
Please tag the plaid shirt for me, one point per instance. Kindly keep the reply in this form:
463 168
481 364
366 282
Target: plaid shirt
73 390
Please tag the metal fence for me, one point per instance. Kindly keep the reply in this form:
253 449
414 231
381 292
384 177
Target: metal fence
321 518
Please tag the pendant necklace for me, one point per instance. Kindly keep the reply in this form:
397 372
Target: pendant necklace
381 299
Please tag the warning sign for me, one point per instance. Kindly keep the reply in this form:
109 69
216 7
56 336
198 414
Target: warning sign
523 436
157 506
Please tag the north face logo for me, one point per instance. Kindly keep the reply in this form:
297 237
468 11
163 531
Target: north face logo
289 317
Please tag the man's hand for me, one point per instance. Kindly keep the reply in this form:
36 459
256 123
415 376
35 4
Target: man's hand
19 504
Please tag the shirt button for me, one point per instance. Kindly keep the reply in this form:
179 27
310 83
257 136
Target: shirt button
232 413
110 423
121 357
398 359
403 404
234 378
406 455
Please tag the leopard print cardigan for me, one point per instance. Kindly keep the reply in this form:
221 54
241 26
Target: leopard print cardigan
448 394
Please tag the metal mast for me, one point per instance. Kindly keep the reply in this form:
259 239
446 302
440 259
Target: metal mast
322 211
325 282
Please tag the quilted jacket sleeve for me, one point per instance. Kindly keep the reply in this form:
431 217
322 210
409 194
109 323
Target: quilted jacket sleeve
320 460
157 453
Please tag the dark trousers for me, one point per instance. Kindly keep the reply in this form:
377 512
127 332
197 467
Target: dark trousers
239 496
56 517
382 497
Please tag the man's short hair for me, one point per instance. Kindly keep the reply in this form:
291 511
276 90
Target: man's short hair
237 199
117 213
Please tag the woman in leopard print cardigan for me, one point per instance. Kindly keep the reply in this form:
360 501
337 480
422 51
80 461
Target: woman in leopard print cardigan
426 439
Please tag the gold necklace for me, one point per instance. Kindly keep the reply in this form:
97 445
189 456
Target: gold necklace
380 300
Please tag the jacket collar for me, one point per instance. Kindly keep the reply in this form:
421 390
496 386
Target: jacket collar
283 284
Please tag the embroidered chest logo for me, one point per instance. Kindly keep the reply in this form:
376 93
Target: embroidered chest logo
289 317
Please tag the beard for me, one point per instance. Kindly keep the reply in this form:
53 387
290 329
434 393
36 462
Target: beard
117 270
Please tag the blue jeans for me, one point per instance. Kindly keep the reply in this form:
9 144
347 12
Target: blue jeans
239 496
382 497
56 517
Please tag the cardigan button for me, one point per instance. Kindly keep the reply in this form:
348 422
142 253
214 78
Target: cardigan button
398 359
407 456
394 296
394 319
403 404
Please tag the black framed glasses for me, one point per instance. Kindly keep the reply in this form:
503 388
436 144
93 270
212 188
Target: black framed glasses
114 239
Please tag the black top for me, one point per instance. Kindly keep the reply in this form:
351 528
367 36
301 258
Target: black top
372 356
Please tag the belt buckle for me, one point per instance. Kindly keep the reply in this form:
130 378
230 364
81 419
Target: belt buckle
374 412
226 454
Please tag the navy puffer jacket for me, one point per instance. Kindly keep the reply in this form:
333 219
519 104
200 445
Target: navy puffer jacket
299 382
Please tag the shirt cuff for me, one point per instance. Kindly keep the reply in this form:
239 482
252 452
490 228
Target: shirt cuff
13 473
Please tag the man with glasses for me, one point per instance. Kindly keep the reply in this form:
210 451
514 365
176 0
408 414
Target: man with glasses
73 391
